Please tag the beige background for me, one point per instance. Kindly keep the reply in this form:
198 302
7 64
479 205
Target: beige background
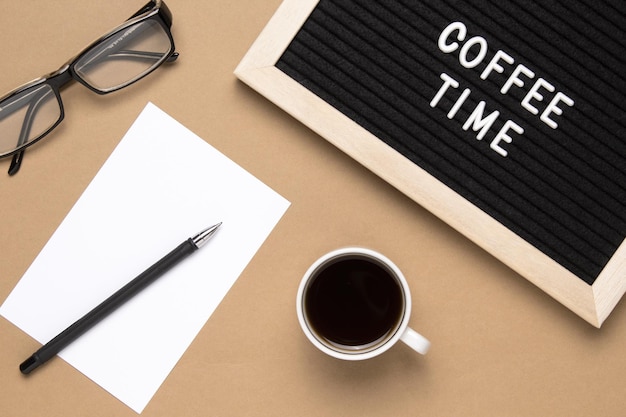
501 347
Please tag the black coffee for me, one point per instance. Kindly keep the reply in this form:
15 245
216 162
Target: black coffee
353 302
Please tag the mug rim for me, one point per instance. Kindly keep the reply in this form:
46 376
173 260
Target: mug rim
341 252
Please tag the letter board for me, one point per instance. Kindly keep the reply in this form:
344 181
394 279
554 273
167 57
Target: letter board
506 119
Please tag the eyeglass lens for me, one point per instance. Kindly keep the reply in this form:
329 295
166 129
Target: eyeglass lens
124 57
117 61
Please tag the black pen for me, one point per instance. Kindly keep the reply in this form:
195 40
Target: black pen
83 324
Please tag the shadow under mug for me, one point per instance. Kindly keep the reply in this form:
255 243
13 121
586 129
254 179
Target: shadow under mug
354 303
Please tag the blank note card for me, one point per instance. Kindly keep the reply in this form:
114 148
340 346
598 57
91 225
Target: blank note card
161 185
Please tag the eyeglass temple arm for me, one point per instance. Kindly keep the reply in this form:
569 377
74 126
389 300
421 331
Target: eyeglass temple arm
141 55
16 161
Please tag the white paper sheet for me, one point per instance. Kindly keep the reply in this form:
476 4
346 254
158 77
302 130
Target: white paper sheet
160 186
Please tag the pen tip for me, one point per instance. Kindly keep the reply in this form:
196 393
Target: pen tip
201 238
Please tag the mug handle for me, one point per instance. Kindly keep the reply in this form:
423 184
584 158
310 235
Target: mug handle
415 341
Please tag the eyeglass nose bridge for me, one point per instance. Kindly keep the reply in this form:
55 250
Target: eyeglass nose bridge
61 77
57 80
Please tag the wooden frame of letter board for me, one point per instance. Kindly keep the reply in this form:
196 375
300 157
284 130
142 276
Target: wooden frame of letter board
257 69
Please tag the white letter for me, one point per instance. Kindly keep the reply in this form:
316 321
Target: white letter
514 78
493 64
503 136
451 47
459 103
553 107
534 94
447 82
482 43
476 120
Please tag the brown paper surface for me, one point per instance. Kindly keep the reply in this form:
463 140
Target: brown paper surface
500 346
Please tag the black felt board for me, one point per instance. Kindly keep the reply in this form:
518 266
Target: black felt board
505 119
561 189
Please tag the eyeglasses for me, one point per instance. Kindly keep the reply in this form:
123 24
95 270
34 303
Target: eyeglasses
118 59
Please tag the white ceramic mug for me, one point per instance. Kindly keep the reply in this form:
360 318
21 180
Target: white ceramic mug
354 303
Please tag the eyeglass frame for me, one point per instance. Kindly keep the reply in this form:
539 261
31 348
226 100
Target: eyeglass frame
155 9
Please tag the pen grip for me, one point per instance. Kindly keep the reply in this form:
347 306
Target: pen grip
112 303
